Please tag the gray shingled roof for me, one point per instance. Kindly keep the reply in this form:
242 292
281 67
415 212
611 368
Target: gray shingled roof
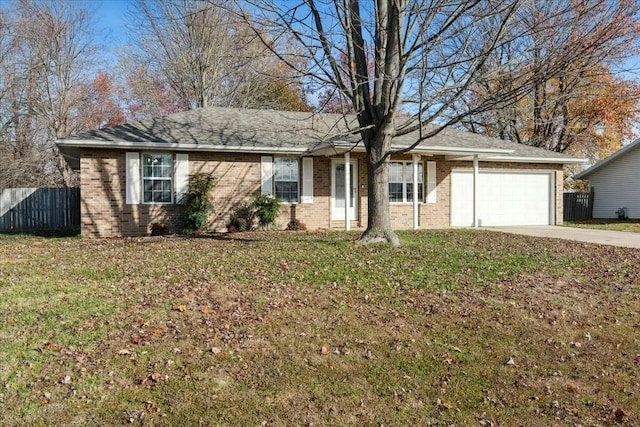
232 127
255 129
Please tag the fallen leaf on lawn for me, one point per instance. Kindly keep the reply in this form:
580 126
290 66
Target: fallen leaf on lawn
53 347
324 351
215 350
156 377
180 308
124 352
205 310
66 379
510 362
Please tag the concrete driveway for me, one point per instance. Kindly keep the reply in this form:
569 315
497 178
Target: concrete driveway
601 237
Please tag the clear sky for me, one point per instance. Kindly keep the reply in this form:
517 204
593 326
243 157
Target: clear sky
111 17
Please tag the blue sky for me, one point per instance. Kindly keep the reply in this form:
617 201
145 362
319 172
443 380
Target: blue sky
111 17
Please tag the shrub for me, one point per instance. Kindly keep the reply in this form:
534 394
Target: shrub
242 219
296 225
266 209
158 229
197 205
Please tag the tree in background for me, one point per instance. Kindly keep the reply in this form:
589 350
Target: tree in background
195 54
426 58
584 110
47 55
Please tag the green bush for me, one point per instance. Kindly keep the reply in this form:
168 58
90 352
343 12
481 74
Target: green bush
197 205
266 209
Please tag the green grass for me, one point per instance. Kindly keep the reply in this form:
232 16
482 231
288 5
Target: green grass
631 225
232 330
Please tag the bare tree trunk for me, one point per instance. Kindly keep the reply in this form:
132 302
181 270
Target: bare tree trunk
379 219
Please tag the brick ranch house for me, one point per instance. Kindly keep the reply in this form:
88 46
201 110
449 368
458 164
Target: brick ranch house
133 175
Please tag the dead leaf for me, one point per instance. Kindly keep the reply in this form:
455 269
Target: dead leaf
205 310
66 379
324 351
181 308
510 362
156 377
124 352
215 350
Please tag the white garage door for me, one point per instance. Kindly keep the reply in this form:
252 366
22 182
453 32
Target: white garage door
504 198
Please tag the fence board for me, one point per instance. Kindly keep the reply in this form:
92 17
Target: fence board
578 206
39 209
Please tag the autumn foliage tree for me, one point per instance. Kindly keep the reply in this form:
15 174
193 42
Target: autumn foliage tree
583 110
427 56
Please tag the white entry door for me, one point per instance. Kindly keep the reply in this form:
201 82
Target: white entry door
338 193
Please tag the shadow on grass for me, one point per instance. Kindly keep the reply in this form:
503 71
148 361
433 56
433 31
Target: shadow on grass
43 233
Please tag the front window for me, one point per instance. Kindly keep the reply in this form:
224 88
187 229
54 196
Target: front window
401 182
157 178
287 179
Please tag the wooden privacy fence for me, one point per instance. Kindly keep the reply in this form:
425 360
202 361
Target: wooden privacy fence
578 206
39 209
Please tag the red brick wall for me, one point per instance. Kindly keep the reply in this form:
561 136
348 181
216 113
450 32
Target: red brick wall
105 213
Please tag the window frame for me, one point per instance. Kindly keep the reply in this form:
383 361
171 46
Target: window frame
144 178
406 164
276 180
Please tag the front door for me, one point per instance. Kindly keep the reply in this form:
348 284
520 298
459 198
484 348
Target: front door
338 193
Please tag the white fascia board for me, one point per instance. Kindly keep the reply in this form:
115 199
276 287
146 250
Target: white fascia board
339 147
566 160
89 143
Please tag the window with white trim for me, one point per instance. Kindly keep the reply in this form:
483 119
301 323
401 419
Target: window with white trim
157 178
401 182
286 178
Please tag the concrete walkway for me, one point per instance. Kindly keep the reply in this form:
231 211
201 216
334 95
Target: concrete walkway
601 237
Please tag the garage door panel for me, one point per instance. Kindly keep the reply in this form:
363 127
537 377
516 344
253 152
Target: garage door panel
504 198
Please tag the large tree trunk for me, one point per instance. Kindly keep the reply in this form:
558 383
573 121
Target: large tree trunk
379 219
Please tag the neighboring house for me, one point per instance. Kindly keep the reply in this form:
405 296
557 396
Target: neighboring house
133 175
615 182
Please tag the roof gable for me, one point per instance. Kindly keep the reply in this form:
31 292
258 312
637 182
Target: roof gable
603 163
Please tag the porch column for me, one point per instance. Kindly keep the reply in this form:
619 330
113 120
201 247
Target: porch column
475 190
347 190
415 159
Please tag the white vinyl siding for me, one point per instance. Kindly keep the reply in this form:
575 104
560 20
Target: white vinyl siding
617 185
132 174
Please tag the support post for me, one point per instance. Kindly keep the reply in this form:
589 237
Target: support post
347 190
415 159
475 190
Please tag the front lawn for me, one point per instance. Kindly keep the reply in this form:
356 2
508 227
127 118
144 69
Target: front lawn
459 327
632 225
